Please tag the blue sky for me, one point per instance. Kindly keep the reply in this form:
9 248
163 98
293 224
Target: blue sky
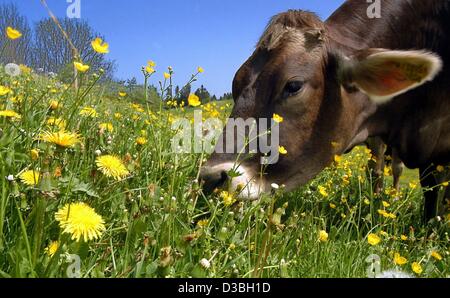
218 35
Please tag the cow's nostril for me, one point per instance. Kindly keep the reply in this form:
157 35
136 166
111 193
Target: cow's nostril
212 179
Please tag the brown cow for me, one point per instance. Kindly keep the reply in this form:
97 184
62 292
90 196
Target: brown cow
338 82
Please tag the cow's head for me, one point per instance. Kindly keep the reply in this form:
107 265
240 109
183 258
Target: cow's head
324 92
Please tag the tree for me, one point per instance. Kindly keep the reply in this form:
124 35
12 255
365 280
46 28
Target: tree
53 53
16 51
203 94
184 94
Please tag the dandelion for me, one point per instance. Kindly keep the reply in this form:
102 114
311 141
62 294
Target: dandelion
194 100
323 236
106 127
81 67
61 138
416 268
282 150
440 168
167 75
277 118
122 94
112 166
373 239
436 255
88 112
4 90
81 221
202 223
141 141
228 199
205 263
151 63
34 154
323 191
399 260
337 159
10 114
54 104
99 46
386 204
52 121
412 185
200 69
366 201
403 237
13 33
149 69
30 178
12 69
52 248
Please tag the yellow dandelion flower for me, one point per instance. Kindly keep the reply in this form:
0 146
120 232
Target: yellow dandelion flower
332 206
386 204
277 118
30 178
445 184
81 221
403 237
202 223
436 255
399 260
61 138
366 201
149 69
282 150
4 90
440 168
323 191
323 236
151 63
13 33
117 115
54 104
52 248
34 154
122 94
88 112
337 159
194 100
52 121
141 141
228 199
99 46
200 69
373 239
387 171
81 67
112 166
10 114
412 185
167 75
416 268
106 127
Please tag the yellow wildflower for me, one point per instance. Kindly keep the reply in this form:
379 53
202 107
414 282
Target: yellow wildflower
323 236
4 90
373 239
112 166
277 118
10 114
416 268
81 221
99 46
106 127
13 33
52 248
323 191
194 100
436 255
282 150
440 168
399 260
30 178
200 69
167 75
141 141
61 138
34 154
228 199
81 67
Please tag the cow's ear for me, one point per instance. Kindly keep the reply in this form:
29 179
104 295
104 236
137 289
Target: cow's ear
384 74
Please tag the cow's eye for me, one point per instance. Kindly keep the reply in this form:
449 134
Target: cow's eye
293 87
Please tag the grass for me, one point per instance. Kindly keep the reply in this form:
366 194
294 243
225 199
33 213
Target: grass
157 221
